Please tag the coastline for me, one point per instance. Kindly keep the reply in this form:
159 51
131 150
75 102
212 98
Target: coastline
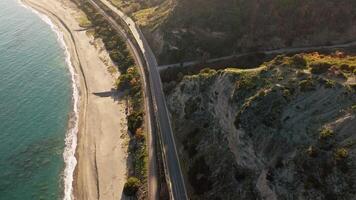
86 155
71 137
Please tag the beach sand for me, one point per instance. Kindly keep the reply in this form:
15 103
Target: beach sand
101 153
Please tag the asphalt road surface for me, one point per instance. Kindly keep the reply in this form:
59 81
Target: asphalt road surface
171 159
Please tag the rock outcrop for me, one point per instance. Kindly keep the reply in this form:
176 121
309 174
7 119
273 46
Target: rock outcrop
280 131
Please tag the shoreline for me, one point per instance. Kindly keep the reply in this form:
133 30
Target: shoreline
71 136
81 179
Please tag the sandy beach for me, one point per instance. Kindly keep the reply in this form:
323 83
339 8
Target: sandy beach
101 156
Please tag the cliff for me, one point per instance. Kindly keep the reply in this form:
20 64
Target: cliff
284 130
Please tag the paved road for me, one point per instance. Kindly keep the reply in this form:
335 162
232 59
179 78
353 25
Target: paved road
171 160
270 52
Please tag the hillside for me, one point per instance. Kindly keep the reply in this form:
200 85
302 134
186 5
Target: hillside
284 130
189 29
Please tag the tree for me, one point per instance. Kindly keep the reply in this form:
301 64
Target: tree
131 186
134 121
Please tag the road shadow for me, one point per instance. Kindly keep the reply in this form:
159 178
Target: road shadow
113 93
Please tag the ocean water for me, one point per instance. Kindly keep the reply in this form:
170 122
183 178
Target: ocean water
35 106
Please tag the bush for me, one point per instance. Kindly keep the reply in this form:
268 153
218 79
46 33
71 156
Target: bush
131 186
353 107
286 93
134 121
261 93
140 135
306 85
326 133
123 82
116 56
341 154
298 61
110 45
329 83
247 82
319 67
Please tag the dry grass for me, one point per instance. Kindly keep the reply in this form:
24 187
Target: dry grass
337 59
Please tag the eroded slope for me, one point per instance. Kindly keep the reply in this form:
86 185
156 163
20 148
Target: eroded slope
285 130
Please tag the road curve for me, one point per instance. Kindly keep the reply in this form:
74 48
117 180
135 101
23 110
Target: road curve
171 160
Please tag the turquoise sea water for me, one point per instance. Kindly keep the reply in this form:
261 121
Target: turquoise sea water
35 106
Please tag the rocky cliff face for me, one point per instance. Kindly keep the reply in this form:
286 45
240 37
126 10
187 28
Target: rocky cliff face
285 130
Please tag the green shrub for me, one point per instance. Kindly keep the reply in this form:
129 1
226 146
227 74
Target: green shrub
110 45
262 93
341 154
131 186
116 56
298 61
247 82
329 83
326 133
123 82
307 85
134 121
353 107
319 67
286 93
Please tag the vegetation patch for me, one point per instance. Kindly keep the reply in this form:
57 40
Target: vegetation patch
113 42
329 83
146 13
134 121
131 186
326 133
128 82
84 21
207 73
275 118
319 67
353 107
307 85
341 154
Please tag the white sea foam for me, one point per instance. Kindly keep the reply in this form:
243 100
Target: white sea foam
71 136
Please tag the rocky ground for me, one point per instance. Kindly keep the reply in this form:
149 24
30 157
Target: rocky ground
284 130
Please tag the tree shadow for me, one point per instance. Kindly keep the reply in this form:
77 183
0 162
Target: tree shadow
124 197
113 93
